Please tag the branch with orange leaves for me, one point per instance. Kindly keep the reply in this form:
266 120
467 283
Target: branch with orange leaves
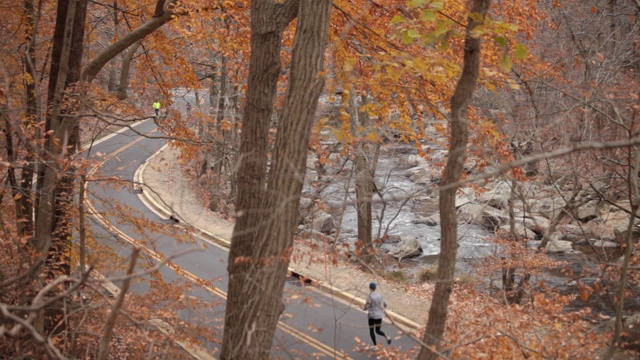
163 14
358 24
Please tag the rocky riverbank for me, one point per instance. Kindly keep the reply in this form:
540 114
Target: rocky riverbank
549 214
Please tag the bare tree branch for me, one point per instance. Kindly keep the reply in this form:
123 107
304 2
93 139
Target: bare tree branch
108 326
542 156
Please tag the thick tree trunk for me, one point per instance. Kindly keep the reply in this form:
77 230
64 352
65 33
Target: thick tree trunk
264 68
65 70
257 268
52 234
453 171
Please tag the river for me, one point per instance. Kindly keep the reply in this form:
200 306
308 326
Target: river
407 204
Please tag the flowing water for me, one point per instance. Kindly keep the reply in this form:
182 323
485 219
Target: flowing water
407 204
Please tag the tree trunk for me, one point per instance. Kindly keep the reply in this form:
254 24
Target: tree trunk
365 175
111 79
124 72
52 236
634 196
264 69
24 205
509 270
112 84
233 139
258 265
65 71
453 171
219 154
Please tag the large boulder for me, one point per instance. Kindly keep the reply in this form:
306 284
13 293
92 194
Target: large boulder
520 230
537 224
304 208
574 233
417 161
469 212
547 207
432 220
497 196
556 246
316 236
322 222
618 222
463 199
609 249
487 216
620 232
631 326
556 176
597 228
493 218
408 247
415 171
464 196
391 239
498 201
588 211
624 204
425 177
421 175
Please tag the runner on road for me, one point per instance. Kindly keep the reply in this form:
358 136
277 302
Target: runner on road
156 107
376 305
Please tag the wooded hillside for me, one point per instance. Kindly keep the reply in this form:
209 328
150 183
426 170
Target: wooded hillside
348 125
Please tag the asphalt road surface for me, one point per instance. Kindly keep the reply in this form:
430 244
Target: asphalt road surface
314 324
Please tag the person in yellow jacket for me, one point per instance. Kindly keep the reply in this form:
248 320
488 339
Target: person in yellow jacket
156 107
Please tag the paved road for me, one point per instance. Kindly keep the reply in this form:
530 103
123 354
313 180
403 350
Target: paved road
314 324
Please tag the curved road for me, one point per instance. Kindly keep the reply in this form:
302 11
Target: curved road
314 325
